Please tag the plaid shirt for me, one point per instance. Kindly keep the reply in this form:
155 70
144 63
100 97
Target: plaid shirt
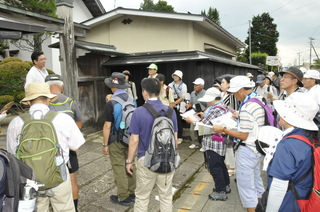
209 144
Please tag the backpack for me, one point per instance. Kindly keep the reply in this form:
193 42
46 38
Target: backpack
316 120
161 155
63 107
312 204
269 120
123 134
13 176
40 150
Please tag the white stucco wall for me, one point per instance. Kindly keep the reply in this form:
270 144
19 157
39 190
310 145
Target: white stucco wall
155 34
80 14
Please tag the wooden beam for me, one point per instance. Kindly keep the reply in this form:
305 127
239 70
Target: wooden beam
51 24
69 67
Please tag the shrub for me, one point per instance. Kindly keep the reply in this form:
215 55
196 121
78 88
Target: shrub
10 59
13 73
5 99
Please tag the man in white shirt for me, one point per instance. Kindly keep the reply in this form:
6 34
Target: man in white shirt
38 71
38 96
311 84
261 88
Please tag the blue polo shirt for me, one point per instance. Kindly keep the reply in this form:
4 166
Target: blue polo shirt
292 160
142 121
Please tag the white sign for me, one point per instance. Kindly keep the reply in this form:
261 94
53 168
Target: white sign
273 61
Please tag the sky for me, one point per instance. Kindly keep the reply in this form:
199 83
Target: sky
297 21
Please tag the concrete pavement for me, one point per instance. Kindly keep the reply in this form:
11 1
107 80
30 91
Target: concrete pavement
193 181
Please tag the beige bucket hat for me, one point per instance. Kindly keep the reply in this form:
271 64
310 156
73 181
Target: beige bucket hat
37 89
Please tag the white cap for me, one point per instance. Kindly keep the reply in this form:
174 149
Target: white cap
313 74
299 110
238 82
199 81
249 75
210 95
303 69
271 73
178 73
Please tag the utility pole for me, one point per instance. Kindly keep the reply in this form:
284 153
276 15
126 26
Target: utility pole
299 58
311 39
250 42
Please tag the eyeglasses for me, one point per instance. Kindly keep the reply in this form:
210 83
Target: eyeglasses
286 77
42 59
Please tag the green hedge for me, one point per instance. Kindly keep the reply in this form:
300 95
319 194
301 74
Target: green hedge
13 73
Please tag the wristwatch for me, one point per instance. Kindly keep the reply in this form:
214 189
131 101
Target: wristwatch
127 162
104 145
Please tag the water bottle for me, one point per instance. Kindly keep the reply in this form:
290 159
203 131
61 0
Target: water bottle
122 125
61 164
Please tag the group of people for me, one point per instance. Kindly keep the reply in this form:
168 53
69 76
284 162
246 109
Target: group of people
294 95
43 93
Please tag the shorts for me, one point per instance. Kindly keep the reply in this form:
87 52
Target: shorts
73 164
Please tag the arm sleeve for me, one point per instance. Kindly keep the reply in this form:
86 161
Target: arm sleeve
183 91
108 112
171 99
278 190
76 111
134 91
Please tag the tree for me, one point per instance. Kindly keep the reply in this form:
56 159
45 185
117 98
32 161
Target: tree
264 35
316 64
213 15
242 56
259 59
43 7
147 5
161 6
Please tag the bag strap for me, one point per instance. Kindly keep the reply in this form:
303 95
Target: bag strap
121 101
50 115
167 92
169 113
291 183
221 108
153 112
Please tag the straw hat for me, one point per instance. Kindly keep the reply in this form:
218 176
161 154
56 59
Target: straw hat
37 89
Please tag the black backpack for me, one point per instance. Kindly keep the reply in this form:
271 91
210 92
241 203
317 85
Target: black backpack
161 155
12 181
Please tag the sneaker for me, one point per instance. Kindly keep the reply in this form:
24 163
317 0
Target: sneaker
180 140
228 189
115 199
133 197
202 149
221 195
193 146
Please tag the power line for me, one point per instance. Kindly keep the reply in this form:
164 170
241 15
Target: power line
281 6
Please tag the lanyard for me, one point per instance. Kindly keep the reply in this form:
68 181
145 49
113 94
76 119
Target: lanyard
249 96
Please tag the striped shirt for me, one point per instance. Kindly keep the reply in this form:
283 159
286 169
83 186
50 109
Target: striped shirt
251 119
211 113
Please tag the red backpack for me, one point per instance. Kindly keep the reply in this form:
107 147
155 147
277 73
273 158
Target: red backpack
312 204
